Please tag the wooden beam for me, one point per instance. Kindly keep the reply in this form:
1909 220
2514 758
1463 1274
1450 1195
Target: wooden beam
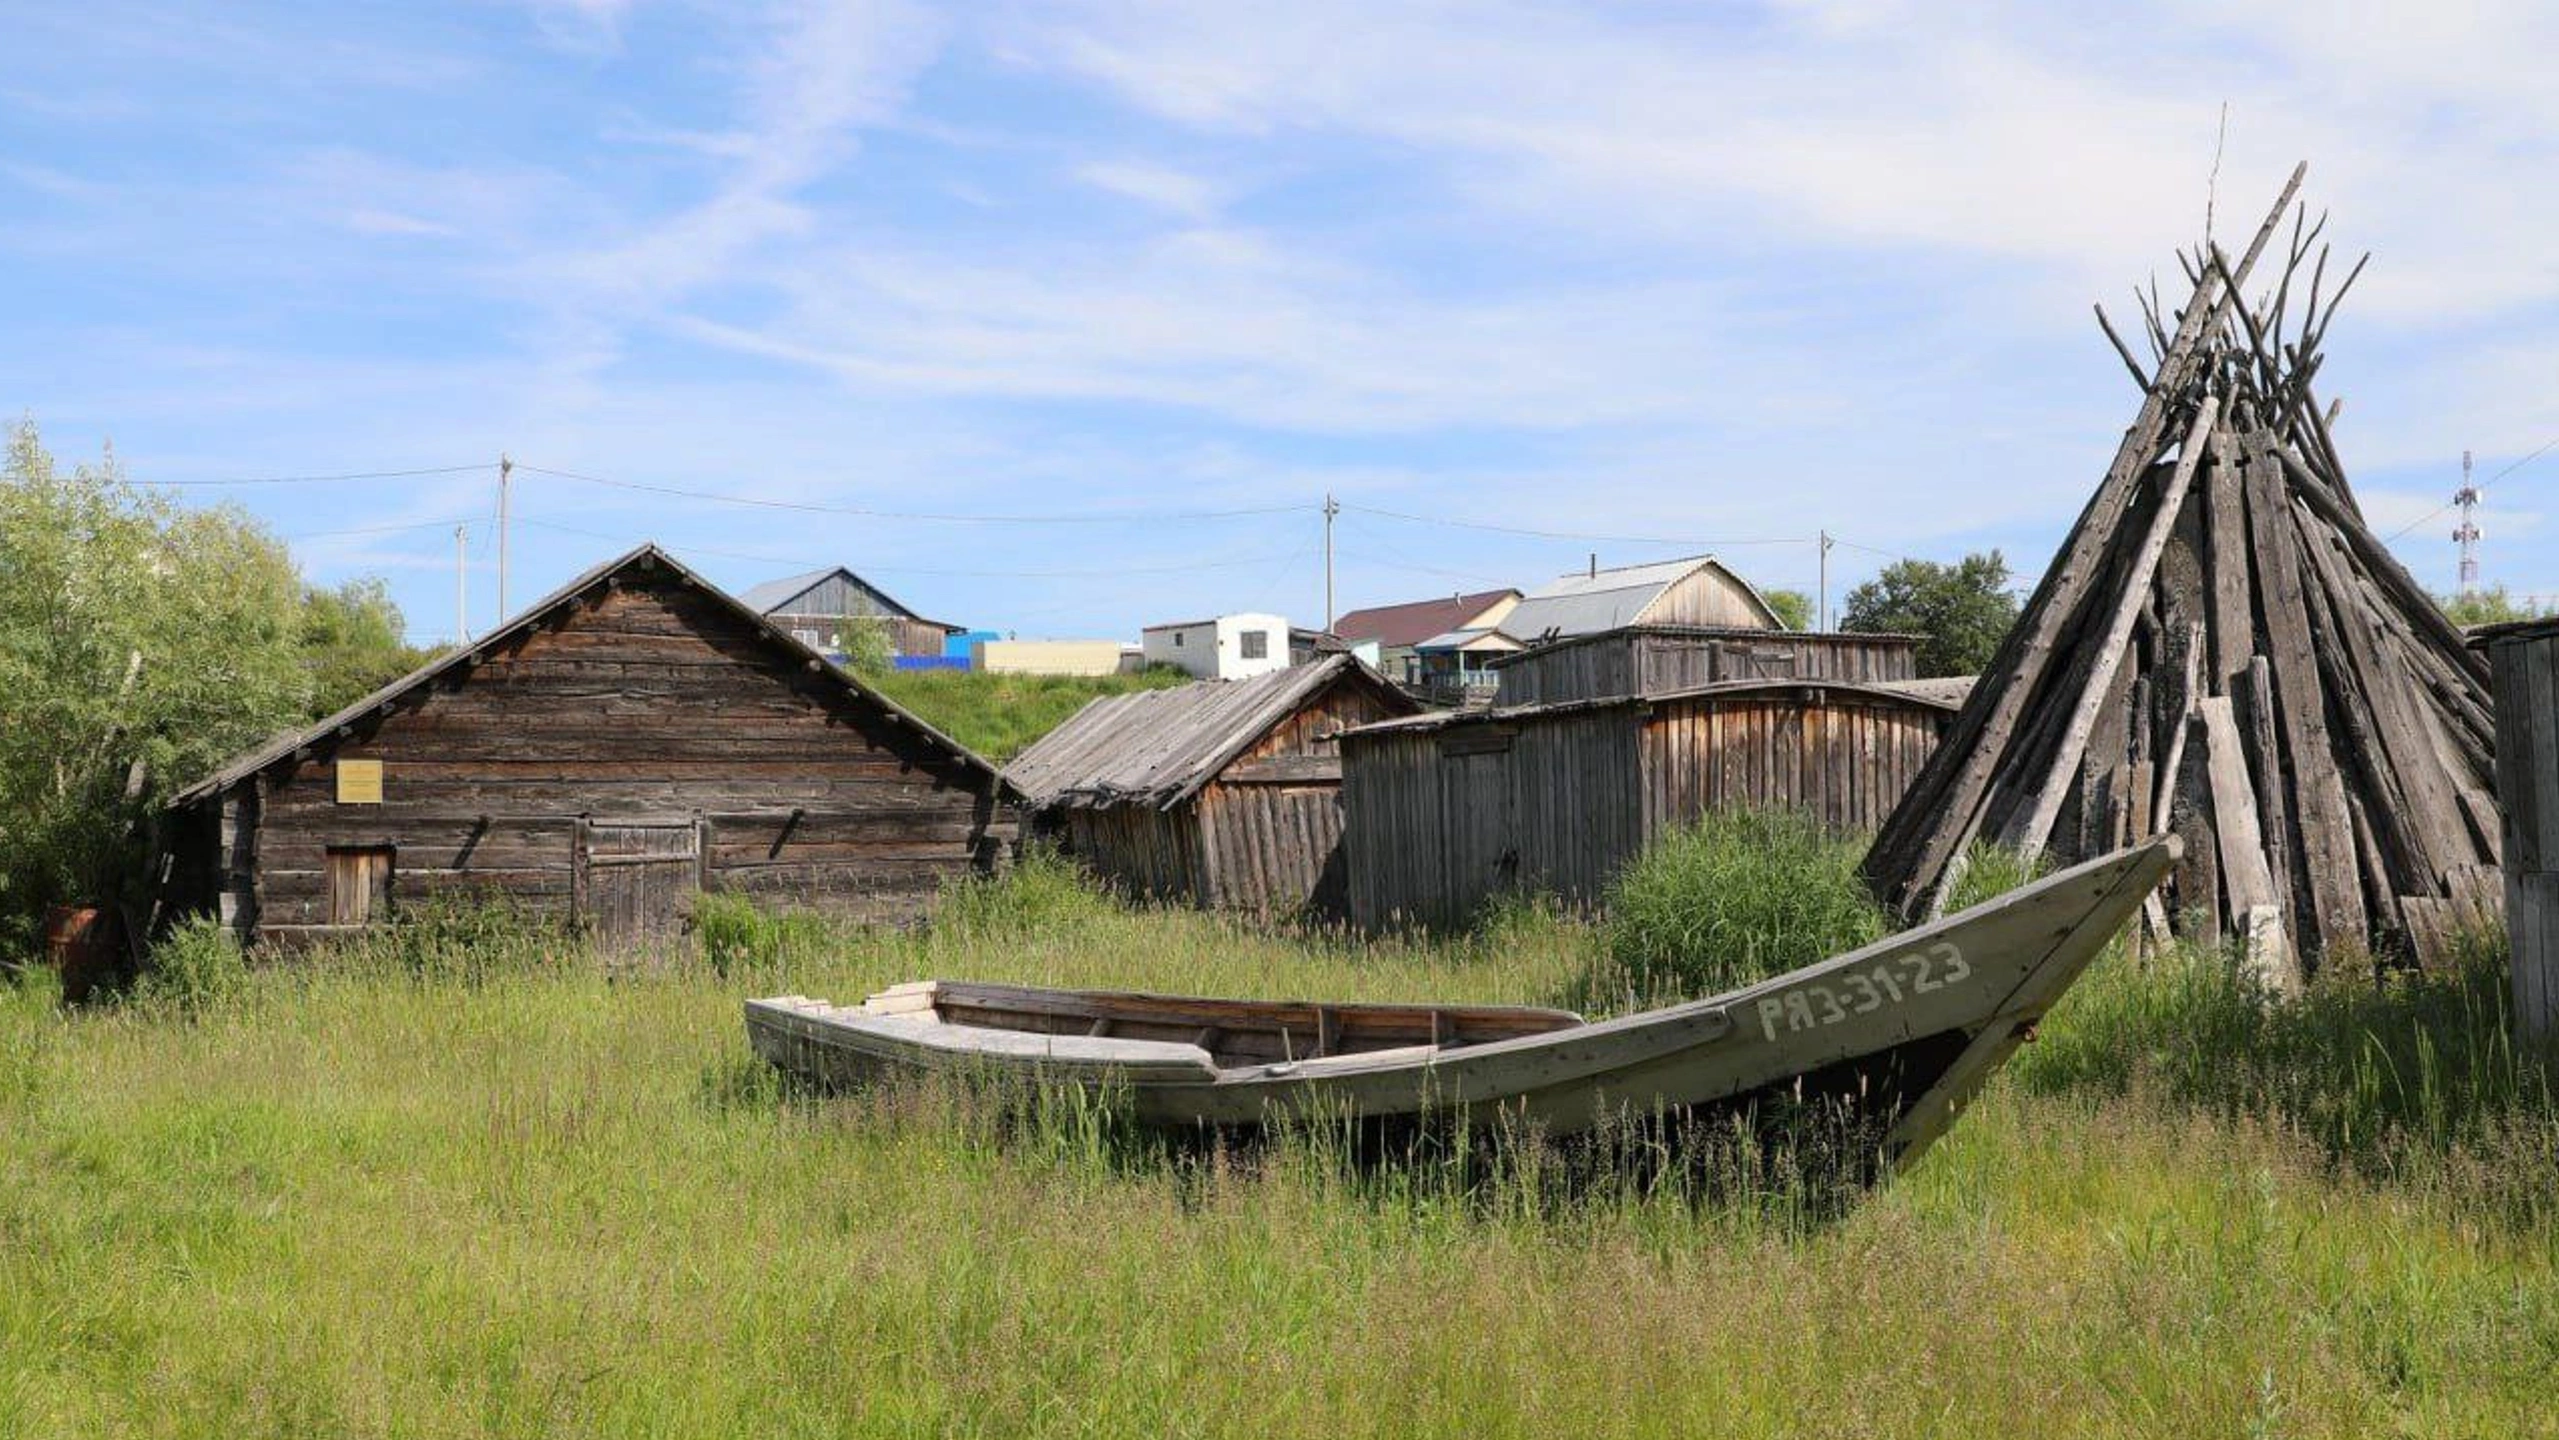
2030 835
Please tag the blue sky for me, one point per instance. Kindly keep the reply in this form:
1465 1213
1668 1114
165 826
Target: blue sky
1668 273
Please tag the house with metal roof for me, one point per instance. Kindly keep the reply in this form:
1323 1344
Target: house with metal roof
816 608
1699 590
1223 794
1398 631
635 737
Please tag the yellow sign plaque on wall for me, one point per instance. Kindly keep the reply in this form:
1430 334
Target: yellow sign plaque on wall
359 782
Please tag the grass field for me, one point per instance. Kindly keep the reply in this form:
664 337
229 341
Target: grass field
999 715
405 1196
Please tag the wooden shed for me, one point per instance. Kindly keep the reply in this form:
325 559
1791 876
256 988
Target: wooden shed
1224 794
1447 810
1655 659
632 738
2523 660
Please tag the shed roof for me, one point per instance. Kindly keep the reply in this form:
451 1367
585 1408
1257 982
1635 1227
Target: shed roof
1414 621
1584 602
2481 636
1484 638
541 612
1158 747
1897 691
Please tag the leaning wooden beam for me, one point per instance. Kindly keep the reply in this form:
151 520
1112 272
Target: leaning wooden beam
2030 835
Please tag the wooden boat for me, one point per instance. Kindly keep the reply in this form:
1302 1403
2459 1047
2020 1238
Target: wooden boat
1903 1031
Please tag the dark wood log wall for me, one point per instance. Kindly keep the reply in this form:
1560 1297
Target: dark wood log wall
1645 661
652 703
1440 821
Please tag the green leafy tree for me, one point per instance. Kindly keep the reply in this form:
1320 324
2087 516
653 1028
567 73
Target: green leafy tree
1961 611
354 641
140 645
864 640
2494 606
1793 607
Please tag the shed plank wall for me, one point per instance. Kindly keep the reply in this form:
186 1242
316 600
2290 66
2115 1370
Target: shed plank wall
1438 822
1636 662
1709 596
655 703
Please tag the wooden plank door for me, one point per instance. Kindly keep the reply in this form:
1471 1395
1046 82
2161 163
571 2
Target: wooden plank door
359 884
637 878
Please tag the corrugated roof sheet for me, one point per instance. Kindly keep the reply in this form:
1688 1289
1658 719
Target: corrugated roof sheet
1580 604
772 595
1395 626
1158 747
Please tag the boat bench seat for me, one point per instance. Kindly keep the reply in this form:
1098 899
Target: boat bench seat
1094 1055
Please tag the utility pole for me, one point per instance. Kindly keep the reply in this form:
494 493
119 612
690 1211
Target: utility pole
1821 607
1332 507
506 469
461 585
2466 535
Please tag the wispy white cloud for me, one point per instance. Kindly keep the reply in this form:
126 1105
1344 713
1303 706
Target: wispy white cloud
1178 192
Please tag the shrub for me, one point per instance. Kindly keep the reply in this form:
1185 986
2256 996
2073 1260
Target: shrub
1734 899
197 964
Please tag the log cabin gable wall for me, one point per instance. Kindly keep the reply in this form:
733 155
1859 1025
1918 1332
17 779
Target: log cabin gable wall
648 699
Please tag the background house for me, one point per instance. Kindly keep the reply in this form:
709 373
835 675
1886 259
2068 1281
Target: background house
1229 647
1222 794
1457 668
1399 630
634 737
815 608
1696 591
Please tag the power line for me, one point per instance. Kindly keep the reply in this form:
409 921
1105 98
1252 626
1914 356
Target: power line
1117 570
318 479
868 512
384 529
1570 534
2428 518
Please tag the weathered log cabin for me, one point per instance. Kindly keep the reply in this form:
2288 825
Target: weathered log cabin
1224 794
1656 659
1445 811
634 737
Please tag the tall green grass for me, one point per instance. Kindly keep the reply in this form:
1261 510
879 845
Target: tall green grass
1729 900
391 1193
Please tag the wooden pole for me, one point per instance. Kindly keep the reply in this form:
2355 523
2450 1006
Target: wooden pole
506 469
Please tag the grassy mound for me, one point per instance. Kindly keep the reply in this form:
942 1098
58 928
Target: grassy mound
999 716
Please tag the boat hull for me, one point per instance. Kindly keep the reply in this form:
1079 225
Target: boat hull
1904 1031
